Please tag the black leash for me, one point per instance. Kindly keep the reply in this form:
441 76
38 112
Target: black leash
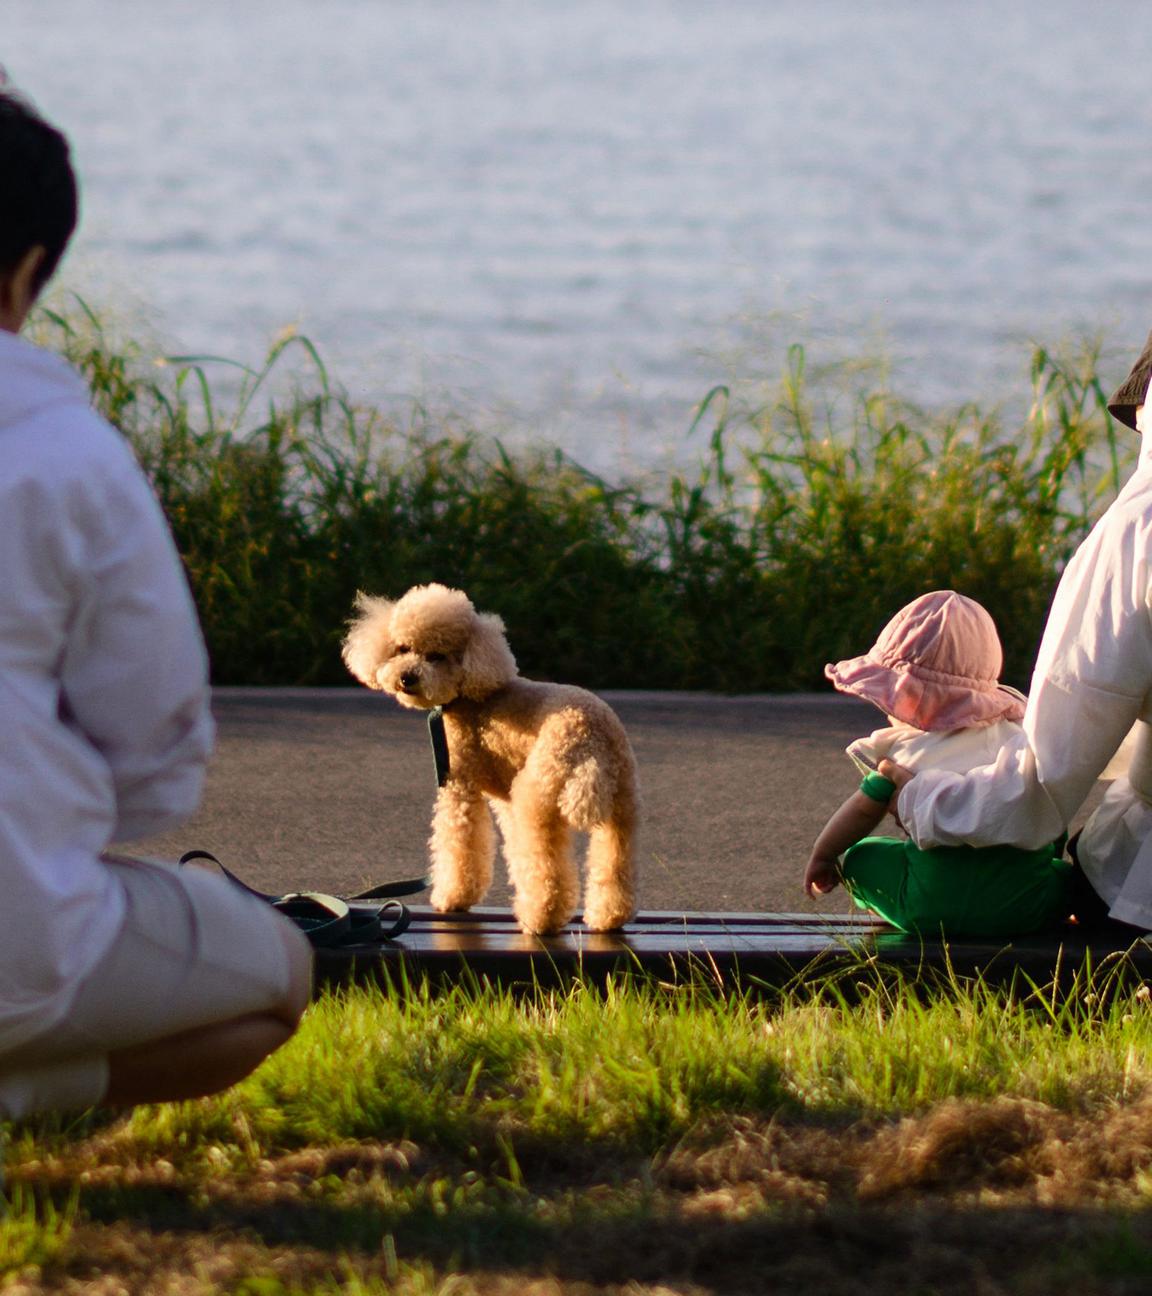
329 920
439 745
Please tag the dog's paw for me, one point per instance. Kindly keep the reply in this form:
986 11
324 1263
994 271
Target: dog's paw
452 899
608 912
541 920
542 926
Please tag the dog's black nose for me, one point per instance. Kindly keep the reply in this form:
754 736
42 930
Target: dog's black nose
409 679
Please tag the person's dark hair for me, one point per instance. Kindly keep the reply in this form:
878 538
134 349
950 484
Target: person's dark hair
38 198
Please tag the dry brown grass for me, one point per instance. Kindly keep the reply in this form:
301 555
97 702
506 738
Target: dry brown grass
1010 1149
1006 1196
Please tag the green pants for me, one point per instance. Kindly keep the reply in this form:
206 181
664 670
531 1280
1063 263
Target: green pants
959 890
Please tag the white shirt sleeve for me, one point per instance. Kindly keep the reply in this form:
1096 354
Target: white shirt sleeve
1092 675
134 669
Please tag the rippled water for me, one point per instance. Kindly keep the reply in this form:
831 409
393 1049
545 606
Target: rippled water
570 218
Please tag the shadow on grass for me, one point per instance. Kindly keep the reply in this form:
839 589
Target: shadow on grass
726 1245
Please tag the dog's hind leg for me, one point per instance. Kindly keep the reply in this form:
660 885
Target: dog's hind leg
541 868
610 884
599 796
463 847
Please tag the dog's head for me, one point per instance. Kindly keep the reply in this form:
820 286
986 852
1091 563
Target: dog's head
428 648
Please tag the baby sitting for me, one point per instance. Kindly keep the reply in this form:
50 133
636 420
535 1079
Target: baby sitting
934 672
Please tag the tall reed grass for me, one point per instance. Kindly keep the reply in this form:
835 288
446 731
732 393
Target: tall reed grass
812 516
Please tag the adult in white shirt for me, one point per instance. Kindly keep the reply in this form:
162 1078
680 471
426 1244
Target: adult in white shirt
1091 686
120 981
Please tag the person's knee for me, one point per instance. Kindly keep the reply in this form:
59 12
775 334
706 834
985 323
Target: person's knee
298 991
195 1063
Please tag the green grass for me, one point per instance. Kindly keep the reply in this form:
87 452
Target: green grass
640 1141
34 1232
636 1068
816 512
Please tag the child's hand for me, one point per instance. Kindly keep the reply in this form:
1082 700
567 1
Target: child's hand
821 876
895 773
899 775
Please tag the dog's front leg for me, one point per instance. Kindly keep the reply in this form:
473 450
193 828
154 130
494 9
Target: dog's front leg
463 847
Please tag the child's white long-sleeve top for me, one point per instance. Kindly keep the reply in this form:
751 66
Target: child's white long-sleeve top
1092 682
104 710
958 750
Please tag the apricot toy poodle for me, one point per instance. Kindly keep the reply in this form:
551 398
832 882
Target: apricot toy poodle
547 759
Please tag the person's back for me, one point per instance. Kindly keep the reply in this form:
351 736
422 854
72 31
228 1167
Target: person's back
103 696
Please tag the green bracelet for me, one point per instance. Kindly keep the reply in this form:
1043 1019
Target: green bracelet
878 787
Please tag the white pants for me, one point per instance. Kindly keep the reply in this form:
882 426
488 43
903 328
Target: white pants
194 950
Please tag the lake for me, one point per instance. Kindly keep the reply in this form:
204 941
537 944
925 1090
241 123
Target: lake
565 221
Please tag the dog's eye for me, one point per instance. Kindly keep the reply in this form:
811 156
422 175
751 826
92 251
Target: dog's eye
436 657
401 648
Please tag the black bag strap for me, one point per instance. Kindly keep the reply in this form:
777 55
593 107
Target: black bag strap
329 920
326 920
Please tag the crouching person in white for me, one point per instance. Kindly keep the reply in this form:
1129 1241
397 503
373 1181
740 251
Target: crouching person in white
120 981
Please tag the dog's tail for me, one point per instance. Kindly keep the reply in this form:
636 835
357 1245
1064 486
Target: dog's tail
587 794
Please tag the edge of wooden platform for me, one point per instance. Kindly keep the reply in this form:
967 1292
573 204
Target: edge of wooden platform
732 949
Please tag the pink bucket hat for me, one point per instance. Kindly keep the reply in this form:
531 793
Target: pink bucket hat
936 666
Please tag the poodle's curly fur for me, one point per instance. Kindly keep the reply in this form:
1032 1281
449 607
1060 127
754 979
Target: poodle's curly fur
547 759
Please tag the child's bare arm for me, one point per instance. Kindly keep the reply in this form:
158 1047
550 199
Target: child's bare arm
856 818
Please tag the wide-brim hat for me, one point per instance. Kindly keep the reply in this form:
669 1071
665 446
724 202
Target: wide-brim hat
936 666
1129 396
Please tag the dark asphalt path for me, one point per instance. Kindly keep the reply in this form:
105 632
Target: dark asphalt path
332 789
329 789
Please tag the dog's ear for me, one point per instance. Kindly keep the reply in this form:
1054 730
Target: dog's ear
368 643
488 662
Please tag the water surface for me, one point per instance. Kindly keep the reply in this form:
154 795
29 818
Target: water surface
567 220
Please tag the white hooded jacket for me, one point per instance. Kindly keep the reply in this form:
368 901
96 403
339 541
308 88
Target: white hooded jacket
1092 683
104 720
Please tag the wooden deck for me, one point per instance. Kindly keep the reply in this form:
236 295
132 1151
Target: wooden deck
733 949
